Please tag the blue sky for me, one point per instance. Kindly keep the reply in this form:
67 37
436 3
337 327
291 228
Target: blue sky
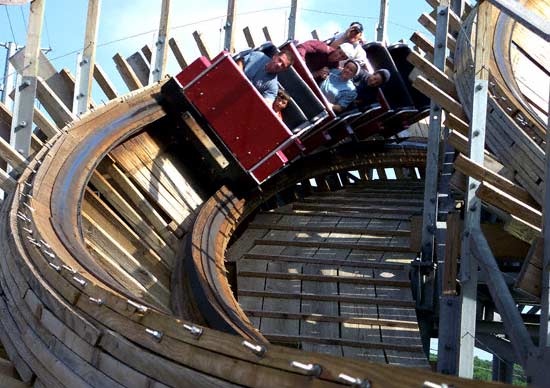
125 26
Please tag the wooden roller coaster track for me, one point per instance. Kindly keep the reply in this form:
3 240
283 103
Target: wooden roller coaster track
124 265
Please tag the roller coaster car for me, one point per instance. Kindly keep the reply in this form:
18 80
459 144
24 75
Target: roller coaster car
238 121
237 127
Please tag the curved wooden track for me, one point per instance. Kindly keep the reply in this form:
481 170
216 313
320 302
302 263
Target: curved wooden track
114 268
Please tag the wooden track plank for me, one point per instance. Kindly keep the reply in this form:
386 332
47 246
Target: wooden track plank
332 245
144 178
134 219
313 328
327 229
124 184
178 54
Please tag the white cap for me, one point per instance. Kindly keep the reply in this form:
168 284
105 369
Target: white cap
348 49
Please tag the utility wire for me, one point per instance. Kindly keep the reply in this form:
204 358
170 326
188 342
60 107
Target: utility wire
23 17
9 21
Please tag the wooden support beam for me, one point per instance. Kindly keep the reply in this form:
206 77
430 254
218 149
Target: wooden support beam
104 83
454 22
7 183
267 35
177 53
85 65
529 278
26 89
147 53
447 102
442 80
451 121
292 19
248 37
491 194
505 304
12 157
205 140
315 34
128 75
483 174
382 20
158 64
429 23
58 111
425 44
230 22
201 45
452 252
140 67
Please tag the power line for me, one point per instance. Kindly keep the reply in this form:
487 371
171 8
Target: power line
23 17
9 21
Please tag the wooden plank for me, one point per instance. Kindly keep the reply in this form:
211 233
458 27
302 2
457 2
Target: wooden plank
422 42
315 35
481 173
359 209
452 251
330 298
175 178
230 23
17 161
429 23
143 177
447 102
324 278
491 194
136 221
7 183
351 319
178 54
104 83
57 110
138 200
332 261
332 245
83 89
326 229
267 35
343 342
44 124
201 45
248 37
442 80
161 48
140 67
205 140
416 233
128 75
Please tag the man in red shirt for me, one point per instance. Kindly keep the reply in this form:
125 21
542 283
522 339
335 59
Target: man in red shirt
320 57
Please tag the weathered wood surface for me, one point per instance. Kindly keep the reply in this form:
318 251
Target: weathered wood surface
332 284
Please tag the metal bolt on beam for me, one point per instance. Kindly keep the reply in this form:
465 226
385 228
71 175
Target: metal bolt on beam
194 330
155 333
69 269
354 381
310 369
97 301
55 267
80 281
139 307
258 350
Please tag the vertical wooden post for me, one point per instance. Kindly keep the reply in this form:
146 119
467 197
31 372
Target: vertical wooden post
292 19
26 89
544 331
9 73
86 61
229 43
429 216
382 20
469 265
158 62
